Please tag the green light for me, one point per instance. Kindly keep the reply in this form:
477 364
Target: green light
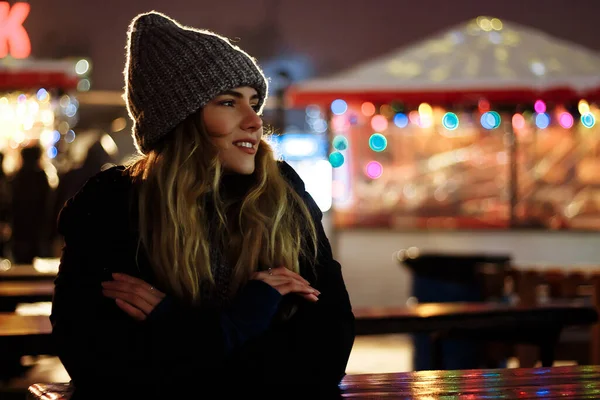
336 159
340 143
377 142
450 121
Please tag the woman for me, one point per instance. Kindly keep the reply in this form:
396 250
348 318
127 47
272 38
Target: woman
204 261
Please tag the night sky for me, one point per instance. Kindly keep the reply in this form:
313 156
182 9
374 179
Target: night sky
321 36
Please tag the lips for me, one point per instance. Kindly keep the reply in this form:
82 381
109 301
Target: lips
249 140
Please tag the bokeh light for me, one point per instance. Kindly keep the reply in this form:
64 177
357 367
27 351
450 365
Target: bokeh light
374 169
340 143
450 121
367 109
379 123
518 121
336 159
52 152
588 120
565 120
539 107
339 107
401 120
377 142
583 107
542 120
490 120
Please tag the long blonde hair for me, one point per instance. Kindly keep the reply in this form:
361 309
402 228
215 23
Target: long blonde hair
266 225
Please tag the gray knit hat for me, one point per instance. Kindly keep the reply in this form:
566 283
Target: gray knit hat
172 71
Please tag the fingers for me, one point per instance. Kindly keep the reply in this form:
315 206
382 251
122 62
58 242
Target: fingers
286 272
133 295
286 281
131 310
293 286
137 281
310 297
131 299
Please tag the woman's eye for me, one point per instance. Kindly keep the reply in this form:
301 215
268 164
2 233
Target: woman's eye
256 107
227 103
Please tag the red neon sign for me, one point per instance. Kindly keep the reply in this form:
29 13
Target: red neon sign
13 35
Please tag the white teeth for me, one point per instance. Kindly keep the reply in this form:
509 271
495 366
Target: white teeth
244 144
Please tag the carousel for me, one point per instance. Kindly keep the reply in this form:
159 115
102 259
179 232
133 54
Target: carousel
489 125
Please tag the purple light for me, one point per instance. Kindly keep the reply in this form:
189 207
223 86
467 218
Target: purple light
565 120
540 107
374 170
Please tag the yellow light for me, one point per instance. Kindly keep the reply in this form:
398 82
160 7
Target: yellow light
65 101
47 137
33 106
82 67
108 144
485 24
47 117
496 24
119 124
583 107
425 109
19 137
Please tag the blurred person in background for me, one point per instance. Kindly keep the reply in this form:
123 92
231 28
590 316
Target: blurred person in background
203 264
30 208
74 179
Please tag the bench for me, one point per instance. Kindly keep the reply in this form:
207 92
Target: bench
538 324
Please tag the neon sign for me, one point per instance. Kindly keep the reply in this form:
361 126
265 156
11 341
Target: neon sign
14 39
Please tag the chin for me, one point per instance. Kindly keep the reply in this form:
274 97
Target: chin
242 170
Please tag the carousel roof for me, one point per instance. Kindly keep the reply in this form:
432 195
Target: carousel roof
487 57
22 74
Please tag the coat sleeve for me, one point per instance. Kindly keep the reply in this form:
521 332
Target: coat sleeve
313 347
98 343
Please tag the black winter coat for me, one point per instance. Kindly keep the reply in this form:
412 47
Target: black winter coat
182 348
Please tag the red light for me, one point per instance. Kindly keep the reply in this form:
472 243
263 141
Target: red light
12 32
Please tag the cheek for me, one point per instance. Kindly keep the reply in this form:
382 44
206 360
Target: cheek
222 142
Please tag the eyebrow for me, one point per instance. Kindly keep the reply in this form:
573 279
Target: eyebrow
238 94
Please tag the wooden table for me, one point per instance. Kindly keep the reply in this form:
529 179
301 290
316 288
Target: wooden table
540 324
26 273
15 292
572 383
22 335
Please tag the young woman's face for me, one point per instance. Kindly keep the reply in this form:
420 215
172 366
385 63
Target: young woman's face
235 127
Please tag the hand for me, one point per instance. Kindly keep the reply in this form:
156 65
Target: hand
134 296
285 281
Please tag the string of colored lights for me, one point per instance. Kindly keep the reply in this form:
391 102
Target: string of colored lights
423 117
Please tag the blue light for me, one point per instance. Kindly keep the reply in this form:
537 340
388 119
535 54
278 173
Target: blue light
55 136
71 110
490 120
401 120
377 142
543 392
339 106
52 152
340 143
42 94
450 121
353 119
542 120
336 159
70 136
588 120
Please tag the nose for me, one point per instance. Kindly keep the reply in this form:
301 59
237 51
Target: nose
252 121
